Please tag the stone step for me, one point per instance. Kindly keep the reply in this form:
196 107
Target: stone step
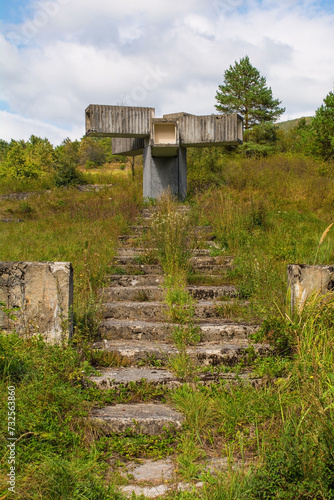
136 269
158 311
203 354
138 240
143 418
149 212
194 229
110 378
219 331
196 262
199 267
135 280
136 251
156 293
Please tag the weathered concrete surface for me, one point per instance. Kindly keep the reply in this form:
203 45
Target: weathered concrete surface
159 311
41 294
205 354
113 377
118 121
144 418
110 378
156 293
152 471
164 172
159 490
219 331
135 280
304 280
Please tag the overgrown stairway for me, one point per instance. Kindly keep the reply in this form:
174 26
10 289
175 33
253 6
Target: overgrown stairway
137 329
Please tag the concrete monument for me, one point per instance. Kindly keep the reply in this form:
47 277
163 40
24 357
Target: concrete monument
162 141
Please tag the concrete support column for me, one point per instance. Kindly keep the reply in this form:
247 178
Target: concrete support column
163 172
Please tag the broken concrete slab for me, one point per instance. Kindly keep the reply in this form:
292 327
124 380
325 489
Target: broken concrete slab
219 331
159 311
41 297
152 471
157 293
143 418
205 354
113 377
159 490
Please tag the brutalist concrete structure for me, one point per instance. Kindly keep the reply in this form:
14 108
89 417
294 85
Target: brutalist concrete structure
162 141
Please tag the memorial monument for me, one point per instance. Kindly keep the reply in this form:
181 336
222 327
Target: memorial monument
162 141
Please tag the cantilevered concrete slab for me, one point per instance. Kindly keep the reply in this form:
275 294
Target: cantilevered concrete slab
162 141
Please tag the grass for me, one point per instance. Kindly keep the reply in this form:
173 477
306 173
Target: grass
278 437
71 226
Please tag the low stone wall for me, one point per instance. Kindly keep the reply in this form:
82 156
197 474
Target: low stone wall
303 280
40 296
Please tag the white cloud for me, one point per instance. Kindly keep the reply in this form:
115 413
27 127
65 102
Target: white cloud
13 126
105 52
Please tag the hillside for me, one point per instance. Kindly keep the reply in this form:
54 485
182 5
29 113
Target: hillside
289 124
257 407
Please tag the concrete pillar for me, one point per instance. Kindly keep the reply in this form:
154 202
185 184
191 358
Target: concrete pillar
303 280
163 172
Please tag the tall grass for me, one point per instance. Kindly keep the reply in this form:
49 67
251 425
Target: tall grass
78 227
270 212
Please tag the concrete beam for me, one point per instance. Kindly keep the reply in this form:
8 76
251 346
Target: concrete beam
127 146
118 121
210 130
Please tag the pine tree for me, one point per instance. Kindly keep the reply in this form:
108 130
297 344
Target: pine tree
245 92
323 128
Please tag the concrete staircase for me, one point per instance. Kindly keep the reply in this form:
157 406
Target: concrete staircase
136 327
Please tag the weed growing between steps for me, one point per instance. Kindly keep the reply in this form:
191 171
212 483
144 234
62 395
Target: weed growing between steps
170 233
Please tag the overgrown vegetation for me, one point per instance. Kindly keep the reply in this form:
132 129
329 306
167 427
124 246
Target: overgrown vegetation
269 204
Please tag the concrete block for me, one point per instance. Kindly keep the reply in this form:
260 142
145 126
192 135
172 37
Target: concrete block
211 130
304 280
118 121
41 295
127 146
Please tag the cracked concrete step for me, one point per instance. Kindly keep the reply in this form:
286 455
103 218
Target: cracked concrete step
149 212
219 331
205 354
143 418
156 293
197 267
196 262
135 280
158 311
194 229
136 251
110 378
139 239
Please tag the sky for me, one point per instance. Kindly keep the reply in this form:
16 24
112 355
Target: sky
59 56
